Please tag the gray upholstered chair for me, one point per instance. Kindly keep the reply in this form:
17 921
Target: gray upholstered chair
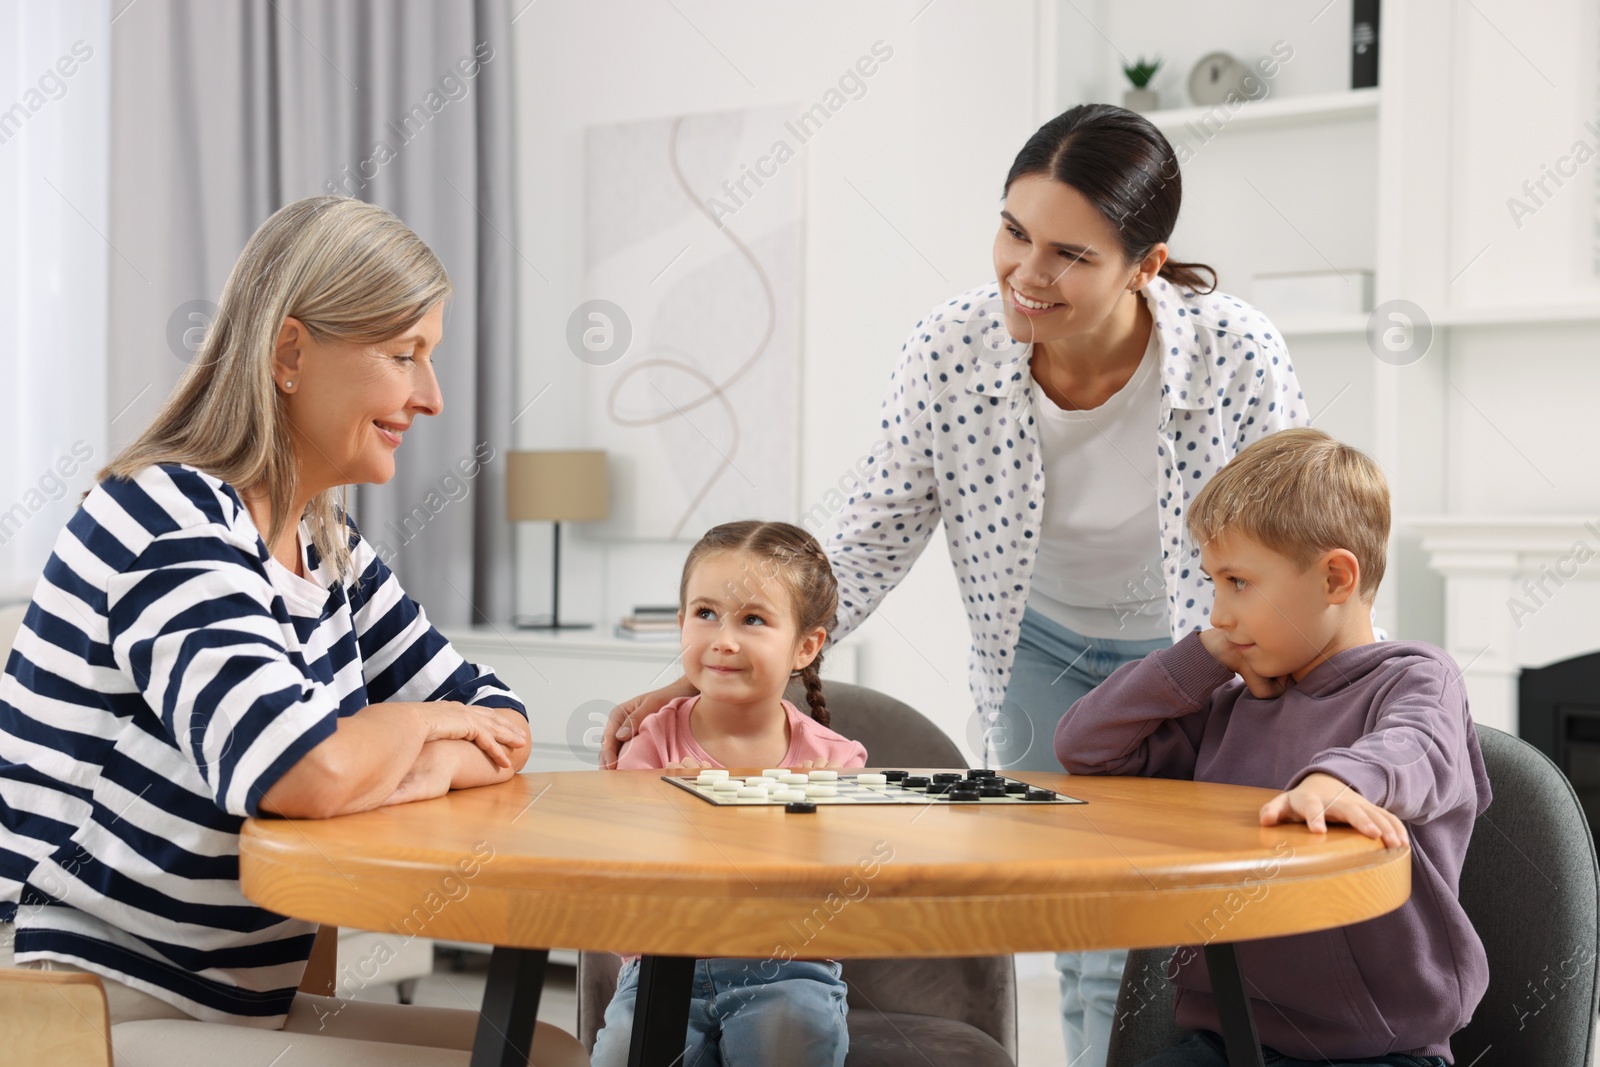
1143 1024
915 1013
1531 886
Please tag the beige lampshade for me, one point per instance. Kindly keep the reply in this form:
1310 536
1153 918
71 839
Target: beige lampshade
557 487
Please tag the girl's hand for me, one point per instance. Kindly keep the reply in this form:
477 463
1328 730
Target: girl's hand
1320 798
817 765
1216 643
689 765
448 720
625 718
430 776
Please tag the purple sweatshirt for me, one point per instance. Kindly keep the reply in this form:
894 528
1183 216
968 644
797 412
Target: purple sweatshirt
1390 719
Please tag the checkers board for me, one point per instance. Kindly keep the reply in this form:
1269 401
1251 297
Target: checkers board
782 787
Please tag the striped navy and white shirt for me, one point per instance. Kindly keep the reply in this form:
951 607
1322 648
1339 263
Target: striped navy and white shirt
168 672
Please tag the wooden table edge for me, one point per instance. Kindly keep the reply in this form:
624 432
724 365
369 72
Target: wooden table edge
875 925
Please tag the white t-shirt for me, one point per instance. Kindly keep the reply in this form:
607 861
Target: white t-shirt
1099 569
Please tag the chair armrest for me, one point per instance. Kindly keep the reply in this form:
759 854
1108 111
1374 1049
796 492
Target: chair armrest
53 1019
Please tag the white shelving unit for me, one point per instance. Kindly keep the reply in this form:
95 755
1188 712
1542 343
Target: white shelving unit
1321 325
1532 314
1271 113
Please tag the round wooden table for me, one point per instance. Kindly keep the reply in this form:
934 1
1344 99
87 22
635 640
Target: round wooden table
621 861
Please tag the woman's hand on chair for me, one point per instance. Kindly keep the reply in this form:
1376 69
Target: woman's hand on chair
626 717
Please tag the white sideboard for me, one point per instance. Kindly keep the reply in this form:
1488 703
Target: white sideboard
570 681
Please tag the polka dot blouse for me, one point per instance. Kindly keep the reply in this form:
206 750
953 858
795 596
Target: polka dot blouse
959 445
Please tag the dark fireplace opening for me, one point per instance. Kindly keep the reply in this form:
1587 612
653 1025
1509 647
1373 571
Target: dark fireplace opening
1558 712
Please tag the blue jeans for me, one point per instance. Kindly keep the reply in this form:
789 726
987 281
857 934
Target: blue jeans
1205 1049
743 1013
1051 668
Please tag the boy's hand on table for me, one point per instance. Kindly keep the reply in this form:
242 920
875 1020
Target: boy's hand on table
1321 798
1217 643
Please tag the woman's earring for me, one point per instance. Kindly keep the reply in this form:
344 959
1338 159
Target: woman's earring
288 385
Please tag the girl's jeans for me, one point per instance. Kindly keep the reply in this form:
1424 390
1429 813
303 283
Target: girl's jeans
742 1012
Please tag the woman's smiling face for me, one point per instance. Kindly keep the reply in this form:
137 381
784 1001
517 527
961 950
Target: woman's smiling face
1054 248
351 403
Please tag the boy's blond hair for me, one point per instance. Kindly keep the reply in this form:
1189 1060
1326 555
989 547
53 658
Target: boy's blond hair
1300 493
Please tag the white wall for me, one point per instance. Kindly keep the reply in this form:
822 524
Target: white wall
1519 414
928 146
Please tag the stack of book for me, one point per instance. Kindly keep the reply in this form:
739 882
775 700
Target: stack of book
650 623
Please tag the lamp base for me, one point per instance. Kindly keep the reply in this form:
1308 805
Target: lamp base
524 622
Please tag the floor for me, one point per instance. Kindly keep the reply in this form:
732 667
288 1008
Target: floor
1038 1036
458 981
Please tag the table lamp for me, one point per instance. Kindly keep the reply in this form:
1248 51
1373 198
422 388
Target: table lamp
556 487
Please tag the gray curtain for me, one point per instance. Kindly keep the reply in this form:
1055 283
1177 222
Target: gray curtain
224 112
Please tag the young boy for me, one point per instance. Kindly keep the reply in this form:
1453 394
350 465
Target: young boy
1289 690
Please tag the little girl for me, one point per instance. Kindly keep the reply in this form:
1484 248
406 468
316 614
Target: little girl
756 602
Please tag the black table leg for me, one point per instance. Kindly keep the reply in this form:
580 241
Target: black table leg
1233 1007
661 1014
510 1007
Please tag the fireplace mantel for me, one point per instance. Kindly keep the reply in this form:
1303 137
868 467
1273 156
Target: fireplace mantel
1520 591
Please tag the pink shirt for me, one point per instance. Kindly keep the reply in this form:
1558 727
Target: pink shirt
665 738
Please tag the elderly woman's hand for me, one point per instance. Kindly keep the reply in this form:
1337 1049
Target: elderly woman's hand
430 776
387 751
493 733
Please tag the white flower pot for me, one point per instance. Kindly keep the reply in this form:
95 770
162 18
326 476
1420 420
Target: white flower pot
1141 100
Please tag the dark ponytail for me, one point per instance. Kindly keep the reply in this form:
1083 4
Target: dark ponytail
789 554
1125 167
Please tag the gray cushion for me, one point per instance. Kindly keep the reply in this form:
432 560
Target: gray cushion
898 1039
894 733
1530 885
977 991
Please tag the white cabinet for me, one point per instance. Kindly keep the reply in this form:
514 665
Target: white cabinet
570 682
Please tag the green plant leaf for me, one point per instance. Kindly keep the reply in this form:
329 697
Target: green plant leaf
1142 71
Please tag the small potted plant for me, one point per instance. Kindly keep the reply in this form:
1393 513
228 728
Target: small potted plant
1141 97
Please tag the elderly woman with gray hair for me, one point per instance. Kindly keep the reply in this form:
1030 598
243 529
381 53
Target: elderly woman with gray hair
212 639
